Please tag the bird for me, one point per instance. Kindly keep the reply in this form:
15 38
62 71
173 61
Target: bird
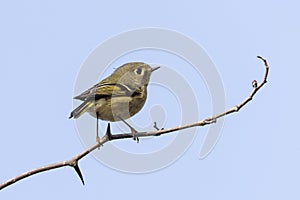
117 97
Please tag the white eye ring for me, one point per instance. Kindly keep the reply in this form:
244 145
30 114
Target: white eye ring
139 71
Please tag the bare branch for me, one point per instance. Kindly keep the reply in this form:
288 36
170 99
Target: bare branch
73 162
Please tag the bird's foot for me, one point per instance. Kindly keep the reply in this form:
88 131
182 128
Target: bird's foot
97 139
134 132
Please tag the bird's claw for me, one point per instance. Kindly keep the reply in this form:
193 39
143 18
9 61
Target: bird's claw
133 132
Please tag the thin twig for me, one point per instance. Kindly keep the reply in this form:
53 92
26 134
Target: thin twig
155 126
73 162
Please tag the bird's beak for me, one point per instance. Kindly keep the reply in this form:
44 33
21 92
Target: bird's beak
155 68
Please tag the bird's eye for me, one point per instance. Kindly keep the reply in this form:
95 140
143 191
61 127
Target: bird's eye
138 71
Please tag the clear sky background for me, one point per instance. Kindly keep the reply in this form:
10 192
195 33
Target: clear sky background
44 43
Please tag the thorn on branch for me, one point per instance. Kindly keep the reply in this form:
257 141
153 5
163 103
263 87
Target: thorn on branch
108 132
77 169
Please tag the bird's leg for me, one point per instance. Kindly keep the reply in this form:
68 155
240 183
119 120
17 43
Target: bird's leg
97 128
133 131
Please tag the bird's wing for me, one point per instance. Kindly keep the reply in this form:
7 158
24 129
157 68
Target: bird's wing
85 94
111 89
104 89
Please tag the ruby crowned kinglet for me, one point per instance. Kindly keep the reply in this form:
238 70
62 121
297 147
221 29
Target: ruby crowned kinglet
117 97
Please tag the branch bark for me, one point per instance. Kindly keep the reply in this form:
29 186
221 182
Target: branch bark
73 162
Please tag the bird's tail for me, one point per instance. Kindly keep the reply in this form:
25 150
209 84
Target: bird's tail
82 108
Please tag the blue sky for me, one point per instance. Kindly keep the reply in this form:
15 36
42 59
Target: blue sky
44 44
